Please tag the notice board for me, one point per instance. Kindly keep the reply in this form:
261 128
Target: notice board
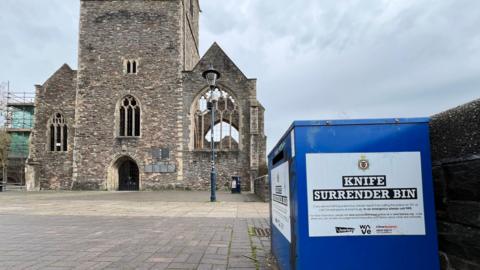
365 194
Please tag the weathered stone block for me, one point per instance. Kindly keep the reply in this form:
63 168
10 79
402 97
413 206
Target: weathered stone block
467 213
165 153
463 181
163 168
451 262
157 153
149 169
440 187
460 241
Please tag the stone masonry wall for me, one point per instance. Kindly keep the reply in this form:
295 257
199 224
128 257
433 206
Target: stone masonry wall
228 164
53 170
110 33
455 140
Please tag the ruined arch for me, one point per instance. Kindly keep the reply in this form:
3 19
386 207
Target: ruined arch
117 171
227 121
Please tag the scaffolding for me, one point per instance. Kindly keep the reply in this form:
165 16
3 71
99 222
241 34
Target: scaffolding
17 110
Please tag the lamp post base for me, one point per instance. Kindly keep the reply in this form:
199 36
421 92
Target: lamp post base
213 186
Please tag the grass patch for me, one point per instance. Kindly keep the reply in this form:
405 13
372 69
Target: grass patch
251 233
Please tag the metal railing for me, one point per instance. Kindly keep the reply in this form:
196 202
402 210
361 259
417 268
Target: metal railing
20 97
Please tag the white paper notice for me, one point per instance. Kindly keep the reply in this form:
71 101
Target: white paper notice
281 199
362 194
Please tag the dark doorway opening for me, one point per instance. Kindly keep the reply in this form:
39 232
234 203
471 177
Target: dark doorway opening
128 176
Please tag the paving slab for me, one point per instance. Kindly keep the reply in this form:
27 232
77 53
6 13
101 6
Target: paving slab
131 230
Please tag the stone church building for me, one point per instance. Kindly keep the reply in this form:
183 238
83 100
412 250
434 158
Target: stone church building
134 115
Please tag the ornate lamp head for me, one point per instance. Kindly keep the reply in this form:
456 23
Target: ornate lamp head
211 76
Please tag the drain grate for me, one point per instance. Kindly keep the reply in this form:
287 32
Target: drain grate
261 232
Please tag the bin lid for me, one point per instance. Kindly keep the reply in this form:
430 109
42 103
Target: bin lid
353 122
349 122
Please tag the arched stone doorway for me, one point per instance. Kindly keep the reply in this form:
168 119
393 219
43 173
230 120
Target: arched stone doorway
124 175
128 176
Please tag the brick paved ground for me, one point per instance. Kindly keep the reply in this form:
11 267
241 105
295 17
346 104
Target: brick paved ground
99 230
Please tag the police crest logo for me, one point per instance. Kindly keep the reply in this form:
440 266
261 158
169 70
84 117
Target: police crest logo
363 163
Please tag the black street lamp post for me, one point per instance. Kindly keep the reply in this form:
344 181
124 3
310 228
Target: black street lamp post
211 76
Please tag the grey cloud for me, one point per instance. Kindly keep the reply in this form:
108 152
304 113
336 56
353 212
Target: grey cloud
37 37
352 59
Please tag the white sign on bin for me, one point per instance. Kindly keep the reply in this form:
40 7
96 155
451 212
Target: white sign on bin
281 199
365 194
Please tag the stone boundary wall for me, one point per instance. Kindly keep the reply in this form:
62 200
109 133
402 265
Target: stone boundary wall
262 188
455 143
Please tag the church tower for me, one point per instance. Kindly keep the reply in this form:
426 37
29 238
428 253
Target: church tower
129 103
134 116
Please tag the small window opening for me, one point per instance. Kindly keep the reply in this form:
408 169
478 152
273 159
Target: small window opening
131 67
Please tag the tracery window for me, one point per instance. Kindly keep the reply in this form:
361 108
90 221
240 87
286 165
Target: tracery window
129 114
227 122
58 133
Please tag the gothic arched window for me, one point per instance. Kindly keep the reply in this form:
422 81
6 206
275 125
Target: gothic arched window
227 122
58 133
129 114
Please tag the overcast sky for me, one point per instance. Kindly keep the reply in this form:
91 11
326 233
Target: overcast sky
314 59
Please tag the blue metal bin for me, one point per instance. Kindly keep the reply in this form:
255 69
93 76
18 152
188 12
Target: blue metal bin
353 194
